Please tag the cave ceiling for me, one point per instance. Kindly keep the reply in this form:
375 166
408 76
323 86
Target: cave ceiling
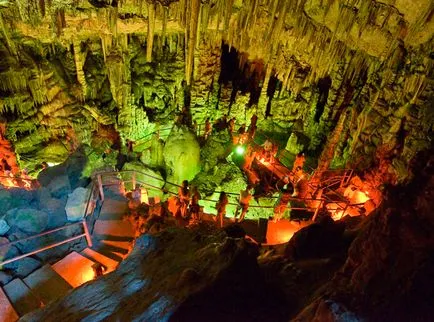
357 72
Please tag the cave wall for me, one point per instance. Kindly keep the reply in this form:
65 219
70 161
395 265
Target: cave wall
353 79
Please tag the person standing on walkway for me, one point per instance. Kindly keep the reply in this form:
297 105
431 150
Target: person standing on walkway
194 204
208 128
244 200
300 159
184 198
221 207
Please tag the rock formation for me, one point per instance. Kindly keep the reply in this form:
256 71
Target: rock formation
70 68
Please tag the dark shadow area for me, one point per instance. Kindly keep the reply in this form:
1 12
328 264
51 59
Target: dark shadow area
324 85
240 293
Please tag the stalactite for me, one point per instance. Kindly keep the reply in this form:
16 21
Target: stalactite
192 37
80 59
151 29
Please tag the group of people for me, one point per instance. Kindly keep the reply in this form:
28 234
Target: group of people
241 136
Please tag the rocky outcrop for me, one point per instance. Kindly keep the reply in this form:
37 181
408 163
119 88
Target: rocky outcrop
76 204
211 281
299 64
386 274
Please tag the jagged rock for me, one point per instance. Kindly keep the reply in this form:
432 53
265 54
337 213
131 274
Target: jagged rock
76 204
146 175
7 252
4 227
319 240
59 186
216 149
55 208
212 269
29 220
22 198
5 200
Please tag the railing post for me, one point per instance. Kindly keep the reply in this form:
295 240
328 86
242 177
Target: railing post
86 231
317 211
134 181
101 191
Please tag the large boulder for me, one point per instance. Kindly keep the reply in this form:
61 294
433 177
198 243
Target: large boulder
144 175
28 220
76 204
319 240
7 252
22 198
216 149
4 227
5 200
181 155
200 267
59 186
55 208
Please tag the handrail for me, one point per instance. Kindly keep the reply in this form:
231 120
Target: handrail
38 235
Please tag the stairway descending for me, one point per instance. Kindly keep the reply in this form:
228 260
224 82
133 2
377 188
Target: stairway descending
75 269
21 297
112 239
46 284
113 233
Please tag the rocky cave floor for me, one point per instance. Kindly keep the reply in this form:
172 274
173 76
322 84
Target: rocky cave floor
374 268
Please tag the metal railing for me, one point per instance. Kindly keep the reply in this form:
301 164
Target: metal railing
108 178
86 223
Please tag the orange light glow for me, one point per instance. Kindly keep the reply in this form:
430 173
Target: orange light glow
282 231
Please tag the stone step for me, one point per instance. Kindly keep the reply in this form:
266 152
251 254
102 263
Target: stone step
21 297
113 209
75 269
46 284
112 248
113 228
123 245
7 311
109 263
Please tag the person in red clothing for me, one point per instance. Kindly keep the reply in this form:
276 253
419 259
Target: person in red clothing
194 204
244 200
221 207
184 198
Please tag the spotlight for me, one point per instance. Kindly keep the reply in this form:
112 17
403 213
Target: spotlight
240 149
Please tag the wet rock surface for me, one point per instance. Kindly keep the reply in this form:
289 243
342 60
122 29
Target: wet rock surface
216 278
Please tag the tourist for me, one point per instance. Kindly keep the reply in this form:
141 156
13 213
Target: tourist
244 200
299 162
208 128
221 207
242 136
194 204
248 159
231 126
281 204
184 198
252 127
98 270
267 150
